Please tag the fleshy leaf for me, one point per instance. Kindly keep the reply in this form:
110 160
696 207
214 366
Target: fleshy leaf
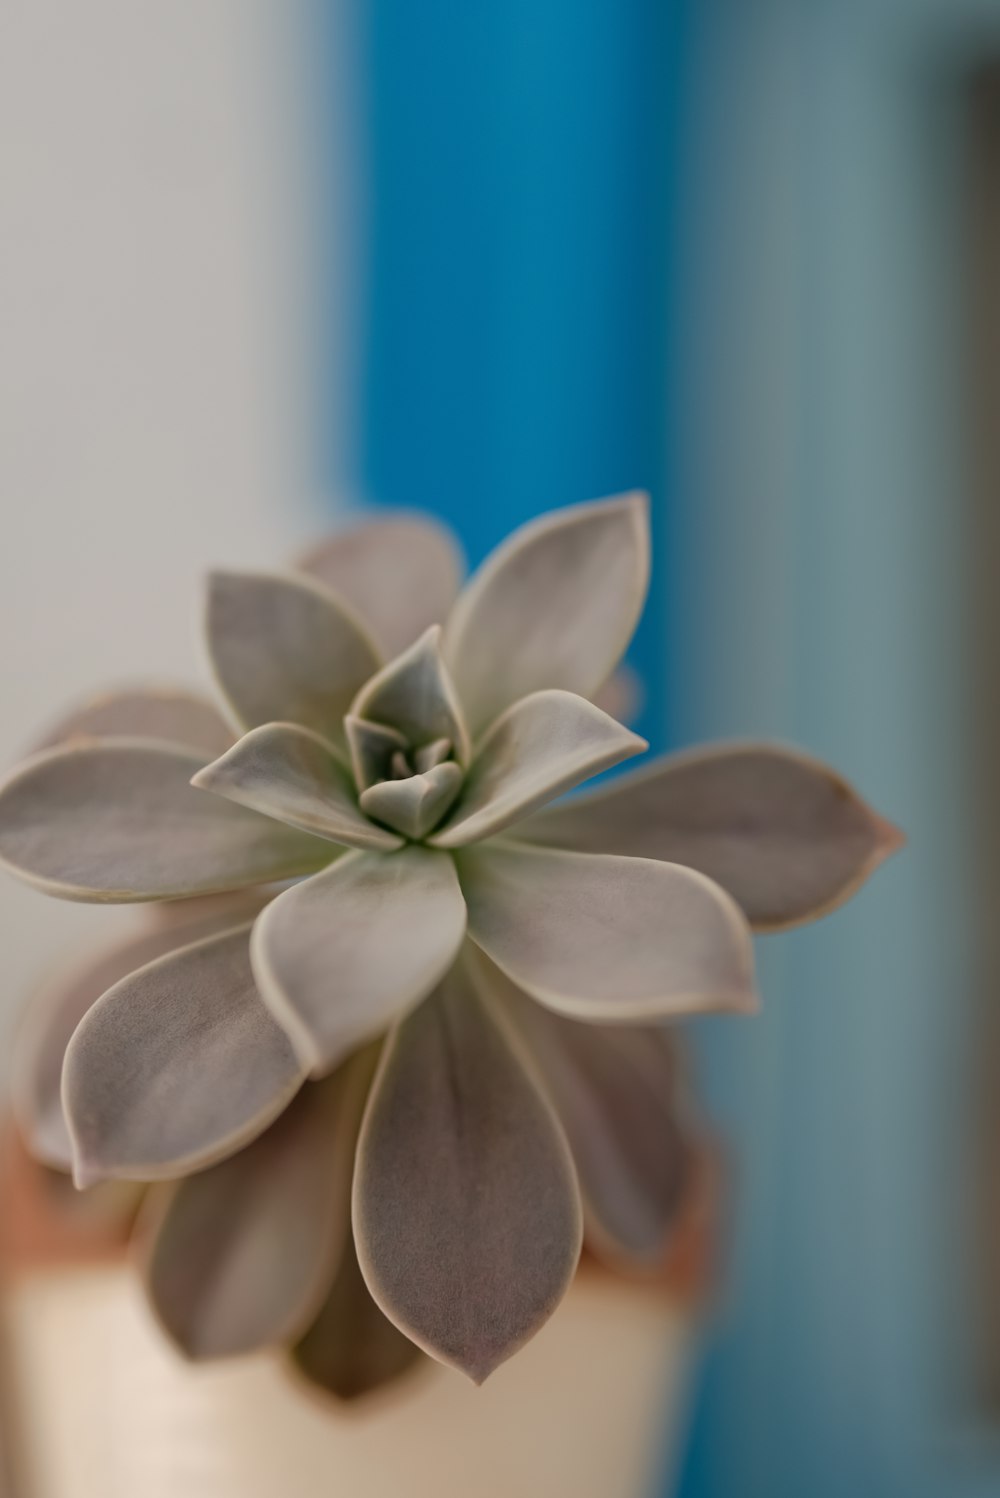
554 606
339 957
120 821
352 1349
616 1091
785 835
415 805
291 773
176 1067
401 573
58 1007
372 747
414 694
167 713
540 746
243 1253
285 650
607 939
466 1209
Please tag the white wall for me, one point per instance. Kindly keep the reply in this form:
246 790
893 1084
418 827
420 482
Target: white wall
159 280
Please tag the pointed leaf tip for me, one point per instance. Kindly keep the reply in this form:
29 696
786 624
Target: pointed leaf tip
890 838
86 1174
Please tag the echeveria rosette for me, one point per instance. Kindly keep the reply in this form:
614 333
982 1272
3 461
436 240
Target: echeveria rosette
433 1007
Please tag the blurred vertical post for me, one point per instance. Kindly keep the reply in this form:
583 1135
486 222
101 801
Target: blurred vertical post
983 324
515 323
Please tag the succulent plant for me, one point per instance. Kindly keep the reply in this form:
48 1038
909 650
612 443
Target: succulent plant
396 1035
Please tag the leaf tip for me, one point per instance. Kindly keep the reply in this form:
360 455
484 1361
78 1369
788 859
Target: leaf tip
86 1173
479 1362
637 500
744 1000
889 838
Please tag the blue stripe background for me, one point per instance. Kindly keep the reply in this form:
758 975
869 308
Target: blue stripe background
517 255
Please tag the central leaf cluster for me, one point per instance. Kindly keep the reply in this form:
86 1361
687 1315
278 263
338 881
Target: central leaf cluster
408 742
403 783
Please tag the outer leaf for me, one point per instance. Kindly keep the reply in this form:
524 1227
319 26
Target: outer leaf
352 1349
554 606
540 746
292 773
401 573
56 1010
176 1067
414 805
607 939
119 821
414 694
340 957
169 713
617 1095
284 650
785 835
243 1253
466 1212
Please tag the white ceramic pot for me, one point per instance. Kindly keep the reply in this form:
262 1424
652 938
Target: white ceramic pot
102 1407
